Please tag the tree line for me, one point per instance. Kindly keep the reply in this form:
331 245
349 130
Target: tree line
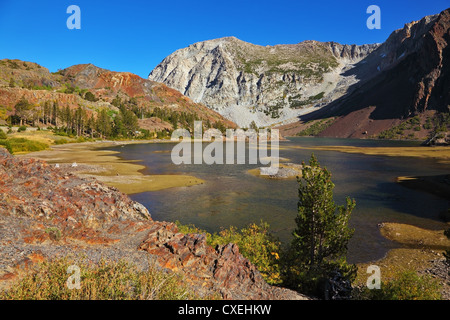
106 123
78 121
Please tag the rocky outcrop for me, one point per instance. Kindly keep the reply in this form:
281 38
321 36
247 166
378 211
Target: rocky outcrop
408 75
221 269
246 82
46 213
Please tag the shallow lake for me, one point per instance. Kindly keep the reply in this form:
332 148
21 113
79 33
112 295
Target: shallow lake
232 197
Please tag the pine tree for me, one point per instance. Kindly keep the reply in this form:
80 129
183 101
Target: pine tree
23 110
322 232
55 113
103 124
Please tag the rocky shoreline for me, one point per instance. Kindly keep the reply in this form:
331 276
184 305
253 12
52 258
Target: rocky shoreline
46 213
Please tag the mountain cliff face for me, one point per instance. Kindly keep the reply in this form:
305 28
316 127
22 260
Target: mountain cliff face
410 76
275 85
246 82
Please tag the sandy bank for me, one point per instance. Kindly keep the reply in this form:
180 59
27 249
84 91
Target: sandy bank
106 166
420 250
441 154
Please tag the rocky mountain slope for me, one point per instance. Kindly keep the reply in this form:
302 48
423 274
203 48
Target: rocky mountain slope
273 84
369 88
410 77
69 86
46 213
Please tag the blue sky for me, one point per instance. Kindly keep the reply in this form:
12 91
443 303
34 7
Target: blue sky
136 35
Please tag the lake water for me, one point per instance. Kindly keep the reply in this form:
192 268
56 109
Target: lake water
232 197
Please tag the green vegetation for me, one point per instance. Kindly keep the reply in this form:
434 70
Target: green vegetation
61 141
255 242
89 96
6 144
273 111
106 280
406 285
15 145
3 135
54 233
441 122
317 127
10 64
436 124
320 239
398 132
296 103
311 62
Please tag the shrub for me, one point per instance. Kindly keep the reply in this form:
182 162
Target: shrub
106 280
2 134
25 145
317 127
61 141
22 129
258 245
5 143
89 96
255 242
407 285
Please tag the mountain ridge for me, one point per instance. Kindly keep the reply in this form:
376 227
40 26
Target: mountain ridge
269 79
251 86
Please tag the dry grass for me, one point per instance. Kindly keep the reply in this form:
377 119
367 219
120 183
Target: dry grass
421 247
102 281
442 154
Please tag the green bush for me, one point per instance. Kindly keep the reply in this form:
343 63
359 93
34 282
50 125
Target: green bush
89 96
106 280
25 145
5 143
255 242
61 141
22 129
406 285
2 134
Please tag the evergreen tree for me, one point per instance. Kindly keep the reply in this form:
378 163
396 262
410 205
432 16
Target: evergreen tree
23 110
55 113
321 235
47 112
116 101
103 124
130 122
